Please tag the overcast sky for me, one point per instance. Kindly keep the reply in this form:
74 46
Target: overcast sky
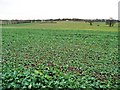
51 9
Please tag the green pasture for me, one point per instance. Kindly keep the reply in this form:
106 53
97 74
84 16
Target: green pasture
65 25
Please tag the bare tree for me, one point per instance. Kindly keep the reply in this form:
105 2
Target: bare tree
110 22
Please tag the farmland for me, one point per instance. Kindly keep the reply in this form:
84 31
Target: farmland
59 55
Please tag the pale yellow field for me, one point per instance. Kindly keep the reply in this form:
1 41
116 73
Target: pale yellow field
65 25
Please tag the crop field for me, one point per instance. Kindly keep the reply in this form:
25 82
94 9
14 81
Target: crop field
59 55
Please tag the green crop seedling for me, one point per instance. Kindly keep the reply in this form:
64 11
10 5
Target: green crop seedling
60 56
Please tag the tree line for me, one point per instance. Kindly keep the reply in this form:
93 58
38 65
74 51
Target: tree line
109 22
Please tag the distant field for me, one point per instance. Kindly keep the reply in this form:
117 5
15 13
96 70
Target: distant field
62 25
60 55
